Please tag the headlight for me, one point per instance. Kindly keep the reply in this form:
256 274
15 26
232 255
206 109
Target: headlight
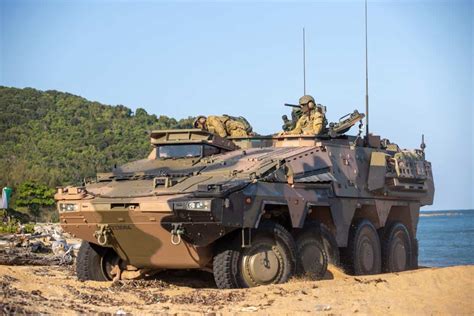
68 207
201 205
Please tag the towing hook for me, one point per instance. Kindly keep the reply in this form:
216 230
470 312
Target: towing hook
176 232
102 234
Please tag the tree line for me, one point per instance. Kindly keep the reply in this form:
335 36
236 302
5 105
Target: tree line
51 138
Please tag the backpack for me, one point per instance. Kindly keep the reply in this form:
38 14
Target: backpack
241 119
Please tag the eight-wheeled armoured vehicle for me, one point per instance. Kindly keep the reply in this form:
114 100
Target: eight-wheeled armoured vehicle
253 210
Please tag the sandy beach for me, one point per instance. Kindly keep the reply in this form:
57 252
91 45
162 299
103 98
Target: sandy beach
55 290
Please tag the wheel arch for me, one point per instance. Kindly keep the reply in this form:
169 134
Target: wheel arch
323 215
283 215
408 215
278 212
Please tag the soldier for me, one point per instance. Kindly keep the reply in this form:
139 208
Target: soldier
221 125
312 120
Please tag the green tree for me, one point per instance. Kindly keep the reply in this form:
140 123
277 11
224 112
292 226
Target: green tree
34 196
57 138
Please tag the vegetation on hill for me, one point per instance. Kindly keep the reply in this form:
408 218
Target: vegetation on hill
53 138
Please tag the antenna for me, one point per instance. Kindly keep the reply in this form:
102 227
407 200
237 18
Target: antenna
423 145
304 64
366 79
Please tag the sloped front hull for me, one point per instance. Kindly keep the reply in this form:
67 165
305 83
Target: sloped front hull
137 235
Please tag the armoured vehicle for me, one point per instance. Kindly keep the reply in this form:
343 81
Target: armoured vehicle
253 210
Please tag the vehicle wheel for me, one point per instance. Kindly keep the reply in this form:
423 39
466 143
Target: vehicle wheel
312 258
269 259
225 269
95 263
330 245
363 251
414 259
397 250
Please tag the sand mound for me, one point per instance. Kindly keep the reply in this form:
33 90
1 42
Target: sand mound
55 290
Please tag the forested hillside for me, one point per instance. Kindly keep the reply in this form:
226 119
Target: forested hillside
55 138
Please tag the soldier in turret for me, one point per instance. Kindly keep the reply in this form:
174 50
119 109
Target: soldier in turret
312 120
223 126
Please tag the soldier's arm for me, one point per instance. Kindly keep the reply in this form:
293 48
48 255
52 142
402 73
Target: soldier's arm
298 128
216 125
317 123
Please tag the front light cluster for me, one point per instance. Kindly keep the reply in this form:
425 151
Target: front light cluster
202 205
68 207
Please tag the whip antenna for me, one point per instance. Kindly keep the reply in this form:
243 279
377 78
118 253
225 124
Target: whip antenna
304 64
366 78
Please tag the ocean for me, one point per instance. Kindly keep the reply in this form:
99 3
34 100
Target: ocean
446 238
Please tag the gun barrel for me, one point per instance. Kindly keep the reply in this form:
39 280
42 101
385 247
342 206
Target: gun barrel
292 105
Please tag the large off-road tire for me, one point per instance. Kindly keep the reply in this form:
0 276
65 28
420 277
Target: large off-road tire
363 253
397 248
225 269
95 263
414 258
312 258
330 245
270 259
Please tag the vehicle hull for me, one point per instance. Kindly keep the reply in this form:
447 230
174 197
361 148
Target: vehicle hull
138 236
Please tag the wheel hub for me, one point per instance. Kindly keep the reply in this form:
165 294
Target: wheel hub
368 255
262 266
399 255
108 262
312 259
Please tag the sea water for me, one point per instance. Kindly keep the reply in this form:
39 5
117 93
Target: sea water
446 238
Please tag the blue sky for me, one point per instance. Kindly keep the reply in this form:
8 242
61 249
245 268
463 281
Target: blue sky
242 58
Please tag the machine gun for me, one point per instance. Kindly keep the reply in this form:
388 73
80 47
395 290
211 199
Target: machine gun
321 107
345 123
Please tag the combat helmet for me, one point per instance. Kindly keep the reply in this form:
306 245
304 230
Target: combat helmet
306 99
196 121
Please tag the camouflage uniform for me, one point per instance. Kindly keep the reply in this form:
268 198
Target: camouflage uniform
312 120
224 126
309 124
